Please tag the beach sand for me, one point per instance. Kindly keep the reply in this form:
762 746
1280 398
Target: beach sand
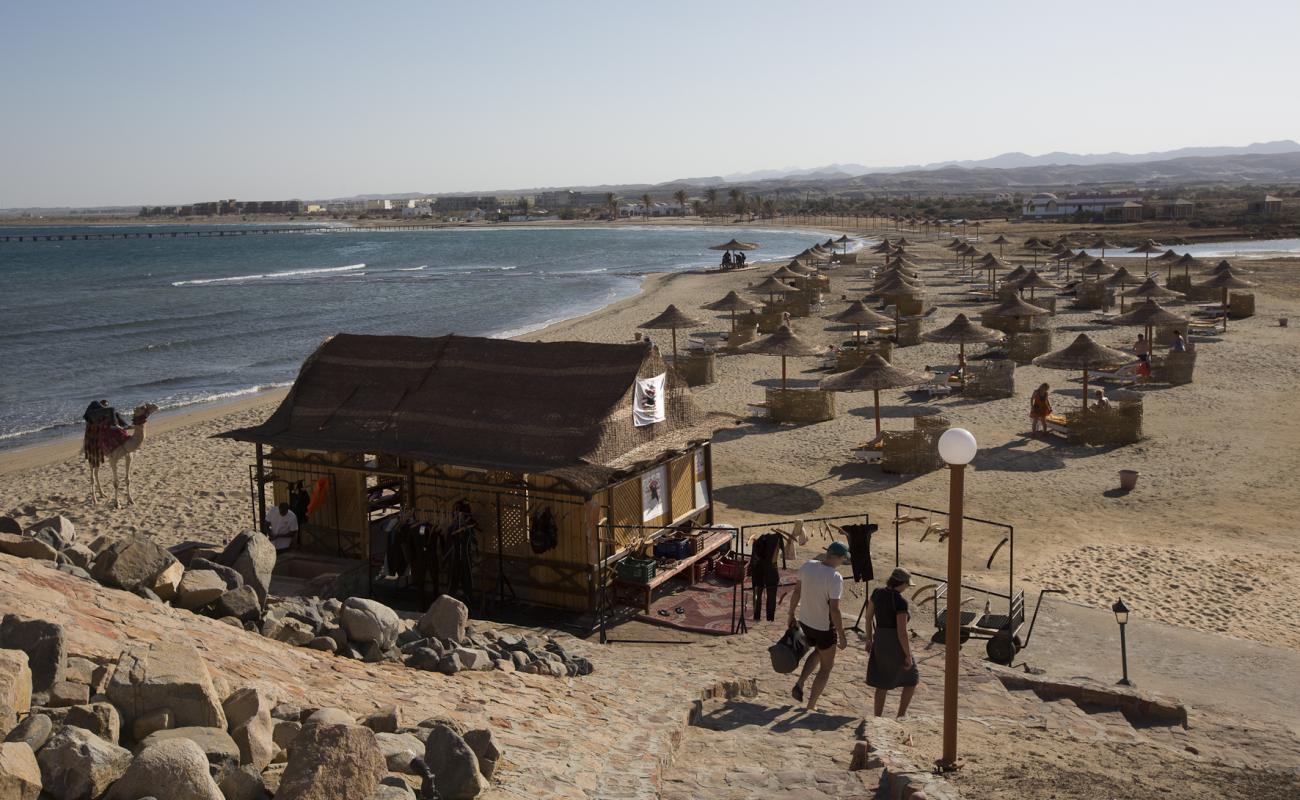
1205 542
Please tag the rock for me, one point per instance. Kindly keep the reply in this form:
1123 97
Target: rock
248 713
166 675
324 644
288 630
454 764
488 754
78 765
289 711
425 658
232 578
284 732
75 571
398 750
369 621
34 731
132 564
521 660
15 687
147 593
218 748
176 767
79 670
391 791
450 664
20 774
253 556
99 544
60 525
445 619
67 693
44 644
160 719
330 716
167 581
240 603
27 547
386 720
198 588
244 783
10 525
471 658
101 719
79 555
331 762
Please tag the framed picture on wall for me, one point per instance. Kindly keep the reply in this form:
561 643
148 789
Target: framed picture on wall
701 480
654 486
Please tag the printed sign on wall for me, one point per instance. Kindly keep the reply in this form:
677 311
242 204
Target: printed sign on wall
654 484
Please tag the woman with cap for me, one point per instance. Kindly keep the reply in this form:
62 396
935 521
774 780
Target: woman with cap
890 664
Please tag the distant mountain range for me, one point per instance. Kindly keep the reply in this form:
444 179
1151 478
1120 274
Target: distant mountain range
1004 161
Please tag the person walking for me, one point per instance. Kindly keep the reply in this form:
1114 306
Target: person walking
816 601
890 664
1040 406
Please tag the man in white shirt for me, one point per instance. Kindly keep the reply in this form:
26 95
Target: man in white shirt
816 599
284 524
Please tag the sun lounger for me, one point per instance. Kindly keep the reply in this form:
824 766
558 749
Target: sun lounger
869 452
1056 423
938 385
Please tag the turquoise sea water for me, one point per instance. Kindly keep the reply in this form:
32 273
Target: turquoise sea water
182 321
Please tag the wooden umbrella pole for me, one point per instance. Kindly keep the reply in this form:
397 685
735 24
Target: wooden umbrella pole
783 372
1085 390
1225 309
674 345
876 392
961 362
733 322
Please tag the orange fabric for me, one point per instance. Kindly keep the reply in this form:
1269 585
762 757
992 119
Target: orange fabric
318 495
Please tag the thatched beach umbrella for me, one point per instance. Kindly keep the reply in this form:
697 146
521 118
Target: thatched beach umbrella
1150 290
1223 266
786 274
672 318
798 266
1097 269
1016 274
902 242
1079 259
859 316
1086 355
1226 280
1119 280
1101 244
874 375
784 343
843 242
734 246
1000 241
1032 280
1148 247
1149 315
1168 258
1034 247
961 332
772 287
884 246
1187 262
732 302
1014 307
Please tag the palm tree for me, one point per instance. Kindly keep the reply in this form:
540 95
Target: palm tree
645 201
611 204
769 209
711 197
737 197
680 197
698 207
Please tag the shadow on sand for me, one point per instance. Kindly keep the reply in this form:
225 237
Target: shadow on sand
770 498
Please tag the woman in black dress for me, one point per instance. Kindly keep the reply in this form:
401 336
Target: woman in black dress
890 665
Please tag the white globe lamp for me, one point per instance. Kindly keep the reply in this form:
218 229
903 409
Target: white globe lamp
957 446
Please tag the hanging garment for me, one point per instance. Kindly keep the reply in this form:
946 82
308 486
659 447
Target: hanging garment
318 495
766 577
648 401
860 550
543 533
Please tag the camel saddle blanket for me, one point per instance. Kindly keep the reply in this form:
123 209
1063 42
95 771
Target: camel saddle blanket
103 439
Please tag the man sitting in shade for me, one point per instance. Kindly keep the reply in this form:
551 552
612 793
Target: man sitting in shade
283 525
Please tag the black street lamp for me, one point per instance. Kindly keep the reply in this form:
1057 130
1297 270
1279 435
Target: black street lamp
1121 616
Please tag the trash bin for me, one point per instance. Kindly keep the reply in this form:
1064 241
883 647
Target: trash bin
1128 479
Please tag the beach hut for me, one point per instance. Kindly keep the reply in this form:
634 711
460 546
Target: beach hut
1084 355
547 459
961 332
732 303
875 375
671 319
1226 279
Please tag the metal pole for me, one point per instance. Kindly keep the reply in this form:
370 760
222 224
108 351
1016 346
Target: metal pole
952 643
1123 654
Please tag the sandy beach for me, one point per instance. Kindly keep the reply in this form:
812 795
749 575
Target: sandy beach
1205 542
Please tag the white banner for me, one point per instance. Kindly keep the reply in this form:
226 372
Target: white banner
648 401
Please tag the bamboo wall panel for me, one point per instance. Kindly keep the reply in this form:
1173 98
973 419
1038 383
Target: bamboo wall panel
681 474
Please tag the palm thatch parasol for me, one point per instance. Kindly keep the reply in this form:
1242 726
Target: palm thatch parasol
961 332
1187 262
784 343
798 266
785 273
902 242
858 315
1101 244
772 287
1097 268
1119 280
1034 247
874 375
732 302
1148 315
672 318
1015 307
1084 354
1222 267
1000 241
1225 280
1150 290
734 245
883 246
1016 274
1148 247
1168 258
1032 280
844 241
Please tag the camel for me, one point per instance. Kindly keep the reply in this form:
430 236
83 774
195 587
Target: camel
124 451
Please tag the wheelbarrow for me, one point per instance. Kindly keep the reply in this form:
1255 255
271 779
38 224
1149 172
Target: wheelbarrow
1002 631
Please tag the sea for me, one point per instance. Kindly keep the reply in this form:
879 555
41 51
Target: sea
180 321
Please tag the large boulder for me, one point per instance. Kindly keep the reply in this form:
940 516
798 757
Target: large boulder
167 581
399 750
445 619
34 731
15 687
288 630
198 588
27 547
166 675
240 603
248 713
331 762
44 644
454 764
78 765
218 748
244 783
369 621
100 718
232 578
174 768
253 556
59 525
10 525
79 555
132 564
20 774
485 749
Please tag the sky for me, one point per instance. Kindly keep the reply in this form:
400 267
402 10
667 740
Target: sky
127 103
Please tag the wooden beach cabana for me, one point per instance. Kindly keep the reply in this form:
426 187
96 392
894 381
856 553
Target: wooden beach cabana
561 454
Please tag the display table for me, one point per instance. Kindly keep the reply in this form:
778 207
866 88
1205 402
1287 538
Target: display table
643 592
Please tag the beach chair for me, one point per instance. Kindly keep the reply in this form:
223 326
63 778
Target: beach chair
1057 424
939 386
869 452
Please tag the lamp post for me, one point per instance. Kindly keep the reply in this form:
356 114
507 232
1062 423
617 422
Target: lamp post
957 448
1121 616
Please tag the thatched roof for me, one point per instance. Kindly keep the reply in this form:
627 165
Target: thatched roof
1100 243
1084 353
1123 277
672 317
875 373
858 314
1033 280
786 273
843 239
1014 306
1150 290
1016 274
772 286
733 302
1149 246
1097 267
962 331
558 408
1226 280
896 284
1001 240
1081 257
734 245
1223 266
1168 255
1148 313
784 342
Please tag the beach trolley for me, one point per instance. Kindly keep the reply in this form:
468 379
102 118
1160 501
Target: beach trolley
1002 619
482 468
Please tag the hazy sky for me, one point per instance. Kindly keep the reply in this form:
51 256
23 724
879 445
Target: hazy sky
131 102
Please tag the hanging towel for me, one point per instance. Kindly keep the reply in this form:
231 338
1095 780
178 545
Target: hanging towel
648 401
